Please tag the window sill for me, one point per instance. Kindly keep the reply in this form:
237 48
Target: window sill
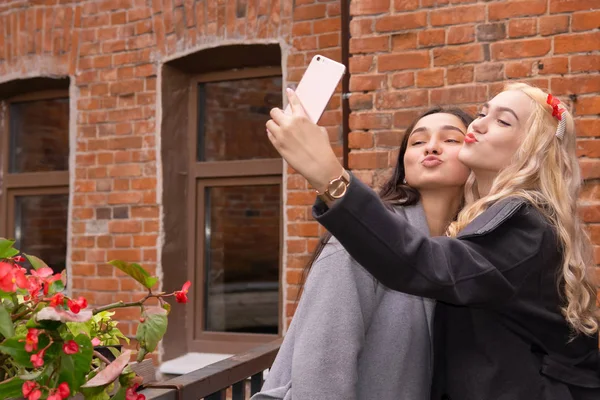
190 362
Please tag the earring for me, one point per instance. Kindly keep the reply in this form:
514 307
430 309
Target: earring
404 181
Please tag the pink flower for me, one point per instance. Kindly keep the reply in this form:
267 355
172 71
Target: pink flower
31 340
76 306
71 347
57 300
37 359
11 277
55 396
96 342
28 387
35 395
63 390
181 295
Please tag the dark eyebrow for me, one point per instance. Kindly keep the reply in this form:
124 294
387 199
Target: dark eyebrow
444 128
487 105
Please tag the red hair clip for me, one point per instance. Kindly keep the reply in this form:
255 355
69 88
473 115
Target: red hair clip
556 110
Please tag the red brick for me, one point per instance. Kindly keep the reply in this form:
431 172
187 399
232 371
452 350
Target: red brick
306 229
575 84
455 55
515 8
400 22
404 98
360 140
560 6
553 65
588 148
587 127
430 78
368 160
388 138
362 26
303 28
553 24
400 61
518 69
370 120
590 169
327 25
522 27
369 45
403 79
458 15
489 72
459 95
461 34
404 41
585 63
456 75
585 21
520 48
329 40
577 43
314 11
432 37
588 105
406 5
360 64
368 7
361 101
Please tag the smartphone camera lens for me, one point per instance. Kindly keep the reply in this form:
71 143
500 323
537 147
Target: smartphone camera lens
318 58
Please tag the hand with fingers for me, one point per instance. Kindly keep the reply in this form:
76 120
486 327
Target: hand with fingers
303 144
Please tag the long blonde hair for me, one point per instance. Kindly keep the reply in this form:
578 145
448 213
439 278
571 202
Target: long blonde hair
545 172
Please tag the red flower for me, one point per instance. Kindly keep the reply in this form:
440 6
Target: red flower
71 347
31 340
55 396
76 306
57 300
28 387
35 395
96 342
19 259
37 359
131 394
181 295
63 390
11 277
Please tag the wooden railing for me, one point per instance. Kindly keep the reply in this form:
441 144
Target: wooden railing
235 378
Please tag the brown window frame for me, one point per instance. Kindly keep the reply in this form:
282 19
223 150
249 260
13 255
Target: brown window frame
25 183
204 174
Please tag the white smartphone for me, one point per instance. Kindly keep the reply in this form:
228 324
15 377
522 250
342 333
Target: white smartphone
317 86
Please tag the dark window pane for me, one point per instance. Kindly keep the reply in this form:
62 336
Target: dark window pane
242 258
232 117
41 227
39 136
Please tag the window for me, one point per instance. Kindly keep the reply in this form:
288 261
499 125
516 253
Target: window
236 204
35 179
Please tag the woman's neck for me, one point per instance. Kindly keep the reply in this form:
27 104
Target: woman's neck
484 180
440 206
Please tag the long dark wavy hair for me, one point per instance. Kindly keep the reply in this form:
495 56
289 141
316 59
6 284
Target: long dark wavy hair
394 191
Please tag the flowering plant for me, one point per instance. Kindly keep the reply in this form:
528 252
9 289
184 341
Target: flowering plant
49 341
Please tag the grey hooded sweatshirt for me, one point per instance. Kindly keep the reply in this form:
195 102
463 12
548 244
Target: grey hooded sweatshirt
352 338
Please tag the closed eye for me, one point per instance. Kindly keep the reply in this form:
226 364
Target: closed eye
503 122
417 143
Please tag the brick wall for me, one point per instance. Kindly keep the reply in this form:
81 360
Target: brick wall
406 56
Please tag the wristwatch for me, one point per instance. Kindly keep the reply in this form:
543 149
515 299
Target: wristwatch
336 188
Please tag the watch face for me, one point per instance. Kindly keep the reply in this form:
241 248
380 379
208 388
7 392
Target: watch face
337 189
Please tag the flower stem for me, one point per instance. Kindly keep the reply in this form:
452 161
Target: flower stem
101 357
118 304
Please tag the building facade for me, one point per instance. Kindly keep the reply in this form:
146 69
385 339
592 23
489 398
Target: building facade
134 130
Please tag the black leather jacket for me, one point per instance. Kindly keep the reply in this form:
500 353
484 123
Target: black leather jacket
499 332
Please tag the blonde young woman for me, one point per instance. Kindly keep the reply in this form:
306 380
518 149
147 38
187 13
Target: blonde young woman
517 317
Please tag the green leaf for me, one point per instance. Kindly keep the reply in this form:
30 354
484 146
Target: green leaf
95 393
152 330
77 328
31 376
15 347
6 248
136 272
56 287
6 325
35 262
167 307
11 388
74 367
121 394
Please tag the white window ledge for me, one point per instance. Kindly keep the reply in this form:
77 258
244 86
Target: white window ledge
190 362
